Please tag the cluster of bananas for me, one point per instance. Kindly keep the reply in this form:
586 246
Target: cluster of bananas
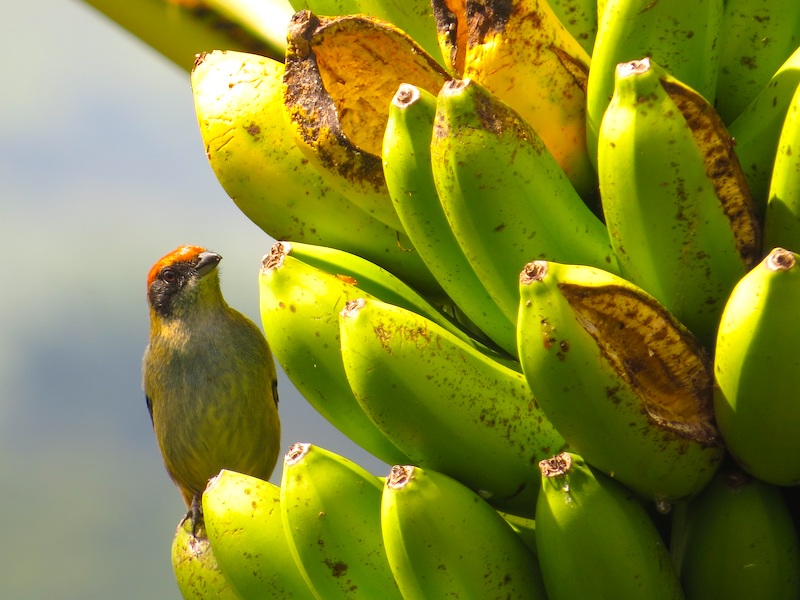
564 294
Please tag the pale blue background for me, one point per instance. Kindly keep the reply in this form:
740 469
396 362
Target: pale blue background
102 171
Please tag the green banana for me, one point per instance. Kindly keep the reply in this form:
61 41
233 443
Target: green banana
407 168
299 306
244 524
757 129
505 197
444 541
195 566
415 17
331 510
328 7
622 380
337 115
239 107
580 19
736 540
754 40
597 540
680 36
525 528
757 371
677 206
447 406
782 219
521 52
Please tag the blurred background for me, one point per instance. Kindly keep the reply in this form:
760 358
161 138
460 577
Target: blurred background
102 171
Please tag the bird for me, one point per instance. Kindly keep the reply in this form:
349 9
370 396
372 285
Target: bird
209 378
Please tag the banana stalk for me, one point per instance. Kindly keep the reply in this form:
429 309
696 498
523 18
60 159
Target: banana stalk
461 413
756 370
676 202
597 540
622 380
243 520
331 510
442 540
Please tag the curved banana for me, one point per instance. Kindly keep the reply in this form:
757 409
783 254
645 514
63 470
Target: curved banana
409 177
446 405
756 370
299 313
521 52
754 40
331 510
341 74
622 380
239 107
505 197
677 206
195 566
596 539
736 540
680 36
757 129
782 219
244 525
444 541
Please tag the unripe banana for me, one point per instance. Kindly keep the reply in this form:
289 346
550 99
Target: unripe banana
736 540
755 39
677 206
622 380
196 570
521 52
680 36
444 541
243 520
758 373
299 313
505 197
409 177
596 539
331 510
782 221
239 108
757 129
580 19
338 115
414 17
447 406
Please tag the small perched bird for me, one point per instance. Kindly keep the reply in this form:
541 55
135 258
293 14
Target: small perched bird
209 378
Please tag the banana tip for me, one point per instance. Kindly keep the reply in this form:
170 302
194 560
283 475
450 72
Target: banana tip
399 476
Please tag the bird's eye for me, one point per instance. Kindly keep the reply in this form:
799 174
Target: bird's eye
169 276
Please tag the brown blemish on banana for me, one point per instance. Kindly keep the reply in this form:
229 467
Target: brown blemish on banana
653 353
451 28
556 466
722 166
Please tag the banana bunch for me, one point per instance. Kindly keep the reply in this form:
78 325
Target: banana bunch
540 257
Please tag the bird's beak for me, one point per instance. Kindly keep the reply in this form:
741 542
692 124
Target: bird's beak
207 262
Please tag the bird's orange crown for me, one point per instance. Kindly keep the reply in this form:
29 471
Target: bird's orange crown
181 254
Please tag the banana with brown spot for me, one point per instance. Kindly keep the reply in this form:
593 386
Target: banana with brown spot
622 380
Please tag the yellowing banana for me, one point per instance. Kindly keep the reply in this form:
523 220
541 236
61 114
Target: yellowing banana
596 539
736 540
461 412
622 380
331 510
676 202
444 541
243 520
195 566
758 373
521 52
338 116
